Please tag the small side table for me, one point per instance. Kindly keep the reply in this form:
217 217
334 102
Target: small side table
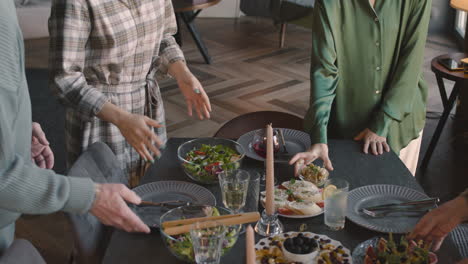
461 81
188 10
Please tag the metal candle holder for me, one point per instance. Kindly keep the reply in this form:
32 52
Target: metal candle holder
269 225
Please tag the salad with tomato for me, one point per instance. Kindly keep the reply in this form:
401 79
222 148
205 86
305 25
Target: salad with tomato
206 162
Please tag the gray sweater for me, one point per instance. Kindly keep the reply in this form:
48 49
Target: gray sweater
25 188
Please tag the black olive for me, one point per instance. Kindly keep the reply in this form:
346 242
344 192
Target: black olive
403 259
313 243
345 255
401 248
298 241
305 249
262 243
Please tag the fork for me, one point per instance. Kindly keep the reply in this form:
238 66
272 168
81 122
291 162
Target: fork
385 213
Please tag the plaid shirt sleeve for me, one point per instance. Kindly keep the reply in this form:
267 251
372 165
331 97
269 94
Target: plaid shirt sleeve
169 50
69 29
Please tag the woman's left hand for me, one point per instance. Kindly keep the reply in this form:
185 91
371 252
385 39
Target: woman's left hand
195 95
376 143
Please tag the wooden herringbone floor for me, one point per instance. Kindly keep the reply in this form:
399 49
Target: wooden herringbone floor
248 73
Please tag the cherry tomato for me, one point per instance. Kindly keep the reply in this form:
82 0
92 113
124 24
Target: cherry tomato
285 211
321 204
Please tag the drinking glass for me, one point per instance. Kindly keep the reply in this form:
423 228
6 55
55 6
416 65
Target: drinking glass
253 193
234 186
336 203
207 242
259 146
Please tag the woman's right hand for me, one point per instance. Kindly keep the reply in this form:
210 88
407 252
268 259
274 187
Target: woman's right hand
136 130
314 152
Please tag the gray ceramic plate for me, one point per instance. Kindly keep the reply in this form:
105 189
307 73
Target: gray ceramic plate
296 141
169 191
373 195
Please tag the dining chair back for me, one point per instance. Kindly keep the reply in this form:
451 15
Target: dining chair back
91 237
240 125
21 252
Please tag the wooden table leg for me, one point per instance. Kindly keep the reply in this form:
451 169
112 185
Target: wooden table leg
188 18
441 124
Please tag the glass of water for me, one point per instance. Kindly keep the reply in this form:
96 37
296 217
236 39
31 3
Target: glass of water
336 200
207 241
234 186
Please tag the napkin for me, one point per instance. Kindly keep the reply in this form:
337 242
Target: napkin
270 188
250 246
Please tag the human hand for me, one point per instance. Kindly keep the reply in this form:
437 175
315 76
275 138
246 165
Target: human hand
195 95
377 143
41 153
110 208
135 129
314 152
436 224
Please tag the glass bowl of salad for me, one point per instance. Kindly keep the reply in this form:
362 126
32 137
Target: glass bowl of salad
181 245
204 158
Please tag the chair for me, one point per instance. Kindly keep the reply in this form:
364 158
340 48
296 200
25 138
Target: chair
21 252
240 125
459 237
91 237
281 11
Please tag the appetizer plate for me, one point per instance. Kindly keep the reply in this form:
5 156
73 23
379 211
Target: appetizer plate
169 191
271 246
373 195
296 141
359 252
301 199
298 216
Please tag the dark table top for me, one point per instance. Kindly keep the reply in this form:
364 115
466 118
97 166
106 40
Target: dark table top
349 162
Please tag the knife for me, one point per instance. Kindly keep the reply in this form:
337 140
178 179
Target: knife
429 201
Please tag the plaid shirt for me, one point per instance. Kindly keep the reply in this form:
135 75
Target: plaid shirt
110 51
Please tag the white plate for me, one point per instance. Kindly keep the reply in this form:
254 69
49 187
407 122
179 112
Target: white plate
296 141
296 216
266 243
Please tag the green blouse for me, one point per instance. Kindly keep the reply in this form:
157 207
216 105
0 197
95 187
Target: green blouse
366 69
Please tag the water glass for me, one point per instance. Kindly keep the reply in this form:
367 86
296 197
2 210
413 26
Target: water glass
207 242
234 186
336 202
253 193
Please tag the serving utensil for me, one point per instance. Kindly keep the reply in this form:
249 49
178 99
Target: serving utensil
183 226
175 203
410 204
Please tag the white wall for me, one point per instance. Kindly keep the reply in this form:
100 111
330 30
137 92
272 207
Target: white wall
225 8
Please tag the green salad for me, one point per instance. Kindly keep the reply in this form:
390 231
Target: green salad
206 162
182 246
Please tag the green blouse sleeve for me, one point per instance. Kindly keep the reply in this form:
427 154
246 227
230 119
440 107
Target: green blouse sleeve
323 75
399 96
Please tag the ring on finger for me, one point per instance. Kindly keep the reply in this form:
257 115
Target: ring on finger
197 91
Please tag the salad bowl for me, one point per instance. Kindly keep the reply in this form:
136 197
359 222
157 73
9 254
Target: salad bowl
181 245
203 159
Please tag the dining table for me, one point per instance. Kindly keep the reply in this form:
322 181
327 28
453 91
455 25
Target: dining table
349 163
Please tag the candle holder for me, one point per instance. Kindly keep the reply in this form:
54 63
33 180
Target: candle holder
269 225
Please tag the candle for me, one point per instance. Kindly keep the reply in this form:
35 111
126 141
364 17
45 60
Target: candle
270 188
250 246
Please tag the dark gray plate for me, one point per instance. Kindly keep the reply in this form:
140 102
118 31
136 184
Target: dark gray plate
168 191
373 195
296 141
